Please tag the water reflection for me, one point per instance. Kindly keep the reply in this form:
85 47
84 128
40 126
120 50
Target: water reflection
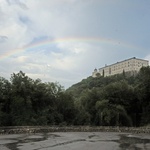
130 143
26 139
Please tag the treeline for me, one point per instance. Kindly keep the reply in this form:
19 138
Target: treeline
24 101
119 100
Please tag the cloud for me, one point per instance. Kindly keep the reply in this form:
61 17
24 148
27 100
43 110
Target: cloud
17 2
3 39
68 61
147 58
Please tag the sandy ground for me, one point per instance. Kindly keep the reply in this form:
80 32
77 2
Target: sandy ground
76 141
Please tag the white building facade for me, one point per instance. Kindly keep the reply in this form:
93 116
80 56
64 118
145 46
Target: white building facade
132 65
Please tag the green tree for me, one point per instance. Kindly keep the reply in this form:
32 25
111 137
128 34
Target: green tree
110 114
5 101
66 108
143 92
21 105
82 117
89 101
120 93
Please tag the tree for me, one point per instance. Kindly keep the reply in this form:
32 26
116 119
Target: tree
5 101
111 114
98 74
143 91
66 108
21 105
120 93
88 101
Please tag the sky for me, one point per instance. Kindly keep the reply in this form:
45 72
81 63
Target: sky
65 40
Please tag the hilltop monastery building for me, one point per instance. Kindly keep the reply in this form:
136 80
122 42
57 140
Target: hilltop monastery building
132 65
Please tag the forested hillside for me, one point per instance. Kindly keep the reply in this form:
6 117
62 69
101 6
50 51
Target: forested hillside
118 100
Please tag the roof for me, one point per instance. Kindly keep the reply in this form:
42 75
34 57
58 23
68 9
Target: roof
124 61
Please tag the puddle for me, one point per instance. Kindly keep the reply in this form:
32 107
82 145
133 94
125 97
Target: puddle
63 143
28 139
126 142
130 143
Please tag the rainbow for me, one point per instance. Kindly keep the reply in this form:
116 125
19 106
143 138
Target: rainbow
47 42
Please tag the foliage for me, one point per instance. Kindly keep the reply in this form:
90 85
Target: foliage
121 94
24 101
119 100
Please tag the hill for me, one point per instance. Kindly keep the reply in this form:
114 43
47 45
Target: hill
116 100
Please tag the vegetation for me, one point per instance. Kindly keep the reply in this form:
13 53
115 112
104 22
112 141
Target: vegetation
24 101
119 100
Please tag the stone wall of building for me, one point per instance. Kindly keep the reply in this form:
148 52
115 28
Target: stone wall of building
132 65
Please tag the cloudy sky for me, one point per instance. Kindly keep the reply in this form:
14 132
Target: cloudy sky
64 40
